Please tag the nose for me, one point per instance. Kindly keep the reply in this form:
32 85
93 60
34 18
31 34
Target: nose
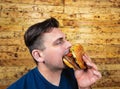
68 44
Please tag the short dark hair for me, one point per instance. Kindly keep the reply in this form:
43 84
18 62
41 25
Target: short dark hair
33 36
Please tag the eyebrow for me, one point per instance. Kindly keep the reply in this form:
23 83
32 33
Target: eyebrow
59 39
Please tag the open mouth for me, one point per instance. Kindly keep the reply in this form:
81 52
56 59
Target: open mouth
70 60
73 57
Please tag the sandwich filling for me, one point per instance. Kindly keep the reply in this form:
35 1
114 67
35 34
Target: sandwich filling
74 58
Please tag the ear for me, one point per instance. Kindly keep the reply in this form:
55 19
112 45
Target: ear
37 54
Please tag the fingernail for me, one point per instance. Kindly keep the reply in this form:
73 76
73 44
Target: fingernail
95 72
83 56
88 64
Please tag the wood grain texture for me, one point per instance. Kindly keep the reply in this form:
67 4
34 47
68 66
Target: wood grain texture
93 23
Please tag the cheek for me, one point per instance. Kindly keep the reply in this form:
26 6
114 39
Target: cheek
53 56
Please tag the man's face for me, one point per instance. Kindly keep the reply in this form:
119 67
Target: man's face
56 46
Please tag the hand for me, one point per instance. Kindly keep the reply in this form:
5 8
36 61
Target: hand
86 78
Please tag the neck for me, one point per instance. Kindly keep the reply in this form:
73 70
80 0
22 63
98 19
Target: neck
49 73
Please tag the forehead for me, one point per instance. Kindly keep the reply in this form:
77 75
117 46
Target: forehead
53 35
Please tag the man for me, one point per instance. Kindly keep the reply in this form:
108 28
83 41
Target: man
47 45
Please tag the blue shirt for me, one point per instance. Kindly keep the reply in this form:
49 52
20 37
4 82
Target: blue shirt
34 80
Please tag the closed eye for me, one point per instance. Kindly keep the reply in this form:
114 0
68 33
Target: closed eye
59 41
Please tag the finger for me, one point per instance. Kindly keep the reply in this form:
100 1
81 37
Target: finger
92 65
94 79
89 63
97 73
87 57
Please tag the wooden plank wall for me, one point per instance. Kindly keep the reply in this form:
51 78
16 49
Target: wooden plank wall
93 23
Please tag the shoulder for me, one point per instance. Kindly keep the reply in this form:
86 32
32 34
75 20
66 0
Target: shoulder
24 80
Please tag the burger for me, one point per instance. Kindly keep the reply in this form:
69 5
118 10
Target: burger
74 58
